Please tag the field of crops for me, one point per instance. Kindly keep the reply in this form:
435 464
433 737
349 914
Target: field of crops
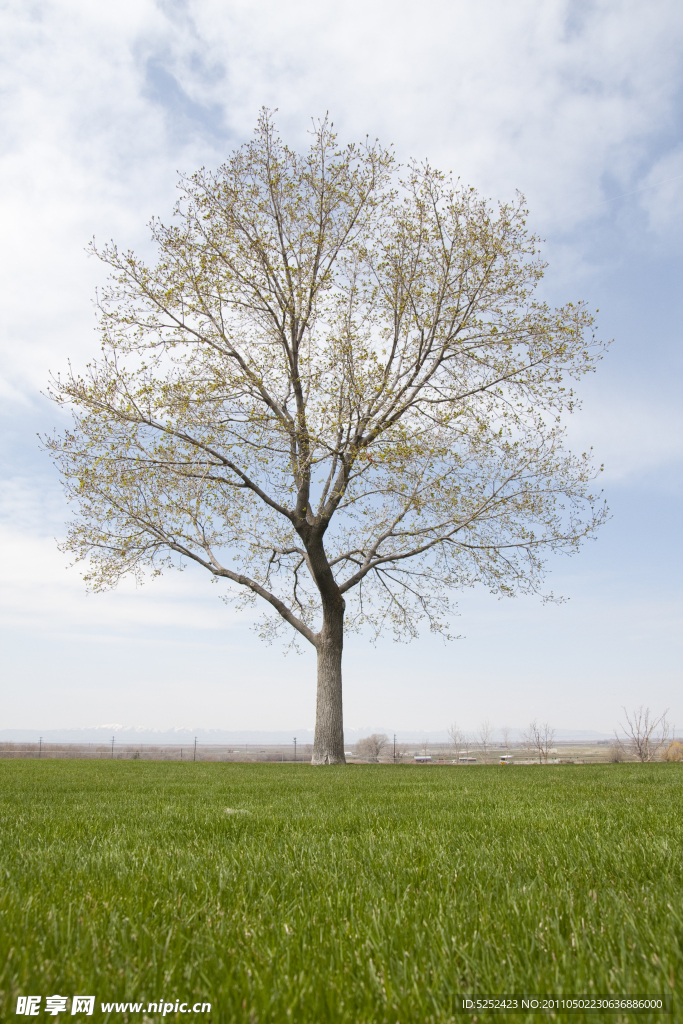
357 895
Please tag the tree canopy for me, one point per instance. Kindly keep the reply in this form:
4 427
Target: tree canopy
336 391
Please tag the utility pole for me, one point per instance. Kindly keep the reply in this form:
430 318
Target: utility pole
112 748
394 748
295 748
195 749
40 748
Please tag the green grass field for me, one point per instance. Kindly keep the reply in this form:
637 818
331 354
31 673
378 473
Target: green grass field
353 895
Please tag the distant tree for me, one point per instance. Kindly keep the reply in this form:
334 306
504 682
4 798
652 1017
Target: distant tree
645 734
457 737
485 732
336 393
505 733
547 736
528 739
539 738
372 747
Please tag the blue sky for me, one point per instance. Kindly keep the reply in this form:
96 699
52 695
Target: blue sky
579 105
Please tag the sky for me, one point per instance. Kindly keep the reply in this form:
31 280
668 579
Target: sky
577 104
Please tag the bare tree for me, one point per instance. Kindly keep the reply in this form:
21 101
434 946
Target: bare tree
485 731
545 741
505 733
539 738
645 734
372 747
336 393
457 738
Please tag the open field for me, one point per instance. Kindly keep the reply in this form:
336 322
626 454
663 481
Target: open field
352 895
580 752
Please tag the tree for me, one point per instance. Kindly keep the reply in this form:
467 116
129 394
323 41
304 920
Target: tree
372 747
544 741
485 731
457 737
641 733
337 393
539 738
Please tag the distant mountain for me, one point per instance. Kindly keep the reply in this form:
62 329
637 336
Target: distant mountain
185 735
140 734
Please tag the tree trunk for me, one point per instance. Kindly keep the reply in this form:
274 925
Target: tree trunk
328 745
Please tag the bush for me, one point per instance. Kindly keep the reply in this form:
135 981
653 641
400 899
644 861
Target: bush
674 752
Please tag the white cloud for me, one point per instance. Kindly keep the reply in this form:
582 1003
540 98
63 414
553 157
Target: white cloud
630 434
39 590
662 195
548 96
552 97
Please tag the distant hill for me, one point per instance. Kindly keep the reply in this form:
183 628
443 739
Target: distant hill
186 735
